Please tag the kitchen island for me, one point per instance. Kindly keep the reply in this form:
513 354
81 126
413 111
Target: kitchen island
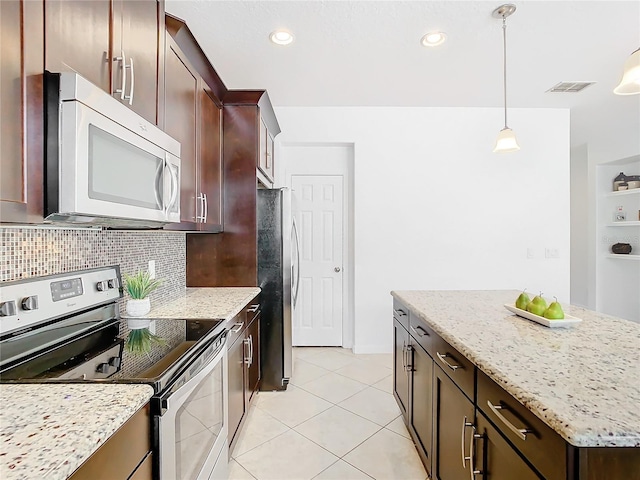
49 430
580 384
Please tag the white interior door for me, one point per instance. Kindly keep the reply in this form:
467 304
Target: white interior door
318 213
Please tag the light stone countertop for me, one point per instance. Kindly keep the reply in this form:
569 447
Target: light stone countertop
204 303
582 381
48 430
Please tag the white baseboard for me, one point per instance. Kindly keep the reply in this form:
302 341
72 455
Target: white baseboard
361 349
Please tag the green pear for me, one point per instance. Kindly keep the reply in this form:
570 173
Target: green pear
554 312
522 301
538 305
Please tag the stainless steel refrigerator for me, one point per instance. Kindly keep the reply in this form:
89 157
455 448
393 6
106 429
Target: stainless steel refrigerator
278 277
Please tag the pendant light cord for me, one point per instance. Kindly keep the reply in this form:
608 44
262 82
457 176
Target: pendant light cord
504 63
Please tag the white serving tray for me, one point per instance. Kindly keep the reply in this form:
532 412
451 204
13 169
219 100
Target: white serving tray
567 321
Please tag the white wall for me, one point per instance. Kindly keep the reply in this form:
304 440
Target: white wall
434 208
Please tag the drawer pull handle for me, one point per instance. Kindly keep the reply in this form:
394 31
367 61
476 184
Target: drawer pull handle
520 432
419 331
253 308
443 359
238 327
400 313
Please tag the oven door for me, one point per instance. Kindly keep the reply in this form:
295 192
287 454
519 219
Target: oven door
107 170
193 423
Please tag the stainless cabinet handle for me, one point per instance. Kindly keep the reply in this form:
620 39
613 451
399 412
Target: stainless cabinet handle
238 327
409 367
247 358
465 424
133 81
520 432
443 359
422 331
200 198
253 308
401 313
251 349
404 356
123 66
206 207
472 454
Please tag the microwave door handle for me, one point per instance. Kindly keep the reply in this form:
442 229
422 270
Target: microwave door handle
175 187
160 186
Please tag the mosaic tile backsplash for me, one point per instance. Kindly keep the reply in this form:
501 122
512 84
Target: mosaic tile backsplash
34 252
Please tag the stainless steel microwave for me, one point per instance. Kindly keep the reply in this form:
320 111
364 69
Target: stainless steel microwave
105 165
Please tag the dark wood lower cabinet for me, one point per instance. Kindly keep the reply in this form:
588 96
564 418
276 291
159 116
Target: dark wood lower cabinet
421 403
495 458
453 415
236 385
253 355
400 373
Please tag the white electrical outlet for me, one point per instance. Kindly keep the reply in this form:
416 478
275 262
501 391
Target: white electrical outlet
531 253
551 253
152 269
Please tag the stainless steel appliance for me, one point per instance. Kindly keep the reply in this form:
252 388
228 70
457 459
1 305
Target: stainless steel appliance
105 165
66 328
278 277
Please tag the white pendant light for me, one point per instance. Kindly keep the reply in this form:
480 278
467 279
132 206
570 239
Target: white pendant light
630 83
506 141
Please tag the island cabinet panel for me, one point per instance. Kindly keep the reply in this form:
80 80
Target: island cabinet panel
455 365
543 447
21 123
495 459
400 368
236 384
420 402
126 454
453 416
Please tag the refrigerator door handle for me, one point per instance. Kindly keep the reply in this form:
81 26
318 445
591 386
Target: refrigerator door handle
296 270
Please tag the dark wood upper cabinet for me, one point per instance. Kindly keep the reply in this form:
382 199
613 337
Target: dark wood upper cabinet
113 44
193 116
21 122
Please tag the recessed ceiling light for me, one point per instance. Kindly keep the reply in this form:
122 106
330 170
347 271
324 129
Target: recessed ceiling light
281 37
433 39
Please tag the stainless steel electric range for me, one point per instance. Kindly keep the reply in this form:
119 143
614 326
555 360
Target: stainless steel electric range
67 328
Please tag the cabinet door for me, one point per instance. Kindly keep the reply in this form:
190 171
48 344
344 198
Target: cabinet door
21 127
236 357
210 165
136 27
421 400
400 372
181 95
496 459
253 354
77 36
451 410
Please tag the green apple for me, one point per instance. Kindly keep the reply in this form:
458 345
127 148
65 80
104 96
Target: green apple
538 305
554 312
522 301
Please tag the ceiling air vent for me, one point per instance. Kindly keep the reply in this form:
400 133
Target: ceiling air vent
569 87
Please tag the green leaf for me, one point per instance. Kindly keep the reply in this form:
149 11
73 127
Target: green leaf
140 285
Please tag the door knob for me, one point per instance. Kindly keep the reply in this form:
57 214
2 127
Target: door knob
336 269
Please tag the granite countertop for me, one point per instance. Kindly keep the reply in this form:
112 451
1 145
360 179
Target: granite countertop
582 381
49 430
204 303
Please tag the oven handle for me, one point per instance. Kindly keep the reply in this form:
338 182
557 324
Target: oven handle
171 397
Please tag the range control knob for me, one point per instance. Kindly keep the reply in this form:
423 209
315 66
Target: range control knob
30 303
7 309
101 286
112 283
115 362
103 368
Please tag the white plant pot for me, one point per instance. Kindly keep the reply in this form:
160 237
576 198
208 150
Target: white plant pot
138 308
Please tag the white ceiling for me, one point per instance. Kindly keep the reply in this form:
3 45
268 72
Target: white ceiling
368 53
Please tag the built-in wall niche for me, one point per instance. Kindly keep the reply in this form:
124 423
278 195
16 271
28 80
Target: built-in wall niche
618 221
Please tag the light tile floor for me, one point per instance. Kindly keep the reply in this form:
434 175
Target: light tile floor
337 420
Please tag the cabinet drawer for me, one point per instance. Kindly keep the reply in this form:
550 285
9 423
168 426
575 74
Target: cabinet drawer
543 447
401 314
455 365
236 327
421 333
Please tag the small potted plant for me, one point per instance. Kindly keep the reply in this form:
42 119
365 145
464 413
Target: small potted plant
139 286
